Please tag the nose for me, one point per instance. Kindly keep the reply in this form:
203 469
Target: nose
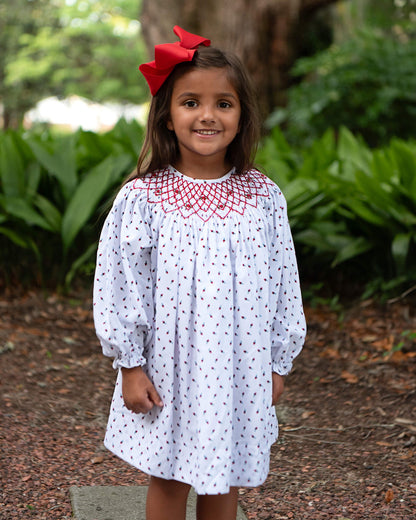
207 114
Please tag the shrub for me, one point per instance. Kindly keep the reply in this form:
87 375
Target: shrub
366 84
53 191
352 209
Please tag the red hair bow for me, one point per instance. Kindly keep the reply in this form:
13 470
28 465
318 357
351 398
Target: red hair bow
168 55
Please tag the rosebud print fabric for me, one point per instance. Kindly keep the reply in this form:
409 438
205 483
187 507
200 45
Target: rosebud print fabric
197 282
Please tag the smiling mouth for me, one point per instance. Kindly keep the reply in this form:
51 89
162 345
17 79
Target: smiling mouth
206 132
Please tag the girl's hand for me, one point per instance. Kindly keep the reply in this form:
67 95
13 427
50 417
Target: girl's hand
139 394
278 387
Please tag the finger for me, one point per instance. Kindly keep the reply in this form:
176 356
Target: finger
142 407
155 397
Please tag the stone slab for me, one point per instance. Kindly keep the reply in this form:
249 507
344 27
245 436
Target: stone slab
120 503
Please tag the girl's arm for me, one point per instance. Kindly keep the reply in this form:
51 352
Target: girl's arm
288 322
123 301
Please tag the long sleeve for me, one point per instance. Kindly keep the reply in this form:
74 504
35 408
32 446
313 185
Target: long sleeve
288 321
123 304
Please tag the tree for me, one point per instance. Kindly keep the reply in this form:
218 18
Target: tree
63 47
20 19
264 33
364 80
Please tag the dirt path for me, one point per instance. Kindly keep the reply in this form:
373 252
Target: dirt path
347 449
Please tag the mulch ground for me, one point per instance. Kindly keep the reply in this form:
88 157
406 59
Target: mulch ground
347 446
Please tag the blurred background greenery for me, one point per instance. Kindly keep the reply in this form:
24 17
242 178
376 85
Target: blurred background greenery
66 47
338 95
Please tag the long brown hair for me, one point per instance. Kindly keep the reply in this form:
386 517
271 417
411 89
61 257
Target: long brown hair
160 147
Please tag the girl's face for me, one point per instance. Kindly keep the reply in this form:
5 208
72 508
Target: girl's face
205 116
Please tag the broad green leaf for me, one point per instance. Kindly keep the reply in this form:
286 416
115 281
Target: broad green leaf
49 211
278 171
400 250
79 262
362 210
59 159
324 236
383 167
91 148
89 193
378 194
323 151
21 209
33 176
405 157
402 215
354 247
12 173
301 188
351 150
301 206
130 135
19 239
280 142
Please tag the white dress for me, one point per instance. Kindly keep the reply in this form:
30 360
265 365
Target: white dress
197 282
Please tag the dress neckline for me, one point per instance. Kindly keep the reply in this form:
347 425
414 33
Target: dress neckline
202 181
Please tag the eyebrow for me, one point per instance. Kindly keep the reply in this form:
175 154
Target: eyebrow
195 94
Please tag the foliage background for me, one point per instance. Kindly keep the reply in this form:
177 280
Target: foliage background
342 149
64 47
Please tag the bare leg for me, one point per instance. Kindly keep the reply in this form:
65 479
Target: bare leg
218 507
166 499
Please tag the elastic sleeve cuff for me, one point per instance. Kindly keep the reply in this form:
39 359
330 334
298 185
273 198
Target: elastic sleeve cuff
128 361
283 369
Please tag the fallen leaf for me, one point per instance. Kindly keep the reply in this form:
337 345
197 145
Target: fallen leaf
64 391
408 455
385 344
388 497
97 460
330 353
69 341
26 478
348 377
63 351
307 414
400 356
369 338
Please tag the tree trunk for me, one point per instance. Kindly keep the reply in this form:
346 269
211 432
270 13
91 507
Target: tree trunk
261 33
12 119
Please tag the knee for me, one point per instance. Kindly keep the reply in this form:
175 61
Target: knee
170 488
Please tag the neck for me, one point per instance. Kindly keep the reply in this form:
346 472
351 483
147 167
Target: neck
204 169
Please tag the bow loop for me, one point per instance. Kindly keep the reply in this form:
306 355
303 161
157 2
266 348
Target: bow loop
168 55
189 40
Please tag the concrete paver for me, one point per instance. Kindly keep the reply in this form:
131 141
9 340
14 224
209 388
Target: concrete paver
119 503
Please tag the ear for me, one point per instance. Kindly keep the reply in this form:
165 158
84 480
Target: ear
169 124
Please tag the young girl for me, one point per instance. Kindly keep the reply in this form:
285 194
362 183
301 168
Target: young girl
196 292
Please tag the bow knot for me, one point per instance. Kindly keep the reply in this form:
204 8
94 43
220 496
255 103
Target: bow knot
168 55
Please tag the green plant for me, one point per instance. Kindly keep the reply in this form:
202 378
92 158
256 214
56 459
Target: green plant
365 83
53 190
352 209
408 336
